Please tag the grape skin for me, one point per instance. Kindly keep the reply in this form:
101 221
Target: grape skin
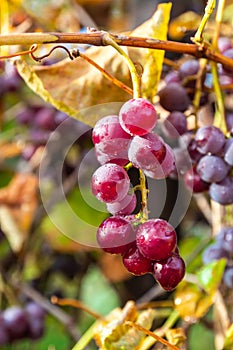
125 207
115 235
110 183
222 192
138 116
209 139
136 263
212 169
174 98
156 239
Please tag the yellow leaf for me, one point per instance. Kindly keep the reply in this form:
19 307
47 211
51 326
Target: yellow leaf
80 90
152 60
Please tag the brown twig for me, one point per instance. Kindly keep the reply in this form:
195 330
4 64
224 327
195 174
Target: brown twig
95 38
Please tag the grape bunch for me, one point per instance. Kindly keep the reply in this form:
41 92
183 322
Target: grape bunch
17 323
209 149
222 247
122 142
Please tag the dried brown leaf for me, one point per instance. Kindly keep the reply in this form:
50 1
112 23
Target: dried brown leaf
18 202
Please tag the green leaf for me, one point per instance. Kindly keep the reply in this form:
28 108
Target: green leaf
210 275
98 294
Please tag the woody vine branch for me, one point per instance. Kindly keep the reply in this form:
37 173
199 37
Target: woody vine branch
96 38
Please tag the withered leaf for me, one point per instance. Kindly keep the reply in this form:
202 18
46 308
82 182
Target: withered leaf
80 90
18 202
112 333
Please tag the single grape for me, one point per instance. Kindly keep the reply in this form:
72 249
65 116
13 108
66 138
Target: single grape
224 44
115 235
189 68
225 238
45 118
228 150
228 277
194 183
175 124
113 151
138 116
209 139
136 263
125 207
156 239
174 98
110 183
147 152
222 192
195 155
170 272
4 334
172 77
16 322
34 310
36 329
165 168
212 168
214 252
108 129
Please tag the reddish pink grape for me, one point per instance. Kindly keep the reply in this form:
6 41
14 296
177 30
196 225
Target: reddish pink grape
110 183
108 129
113 151
156 239
136 263
209 139
115 235
138 116
164 169
169 273
147 152
125 207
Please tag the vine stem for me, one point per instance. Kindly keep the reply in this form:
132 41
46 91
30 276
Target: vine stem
108 40
96 38
198 37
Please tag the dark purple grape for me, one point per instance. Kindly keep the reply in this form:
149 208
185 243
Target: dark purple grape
12 79
224 44
138 116
228 150
26 116
214 252
212 169
222 192
229 121
169 273
45 118
36 329
225 238
34 310
194 183
209 139
110 183
188 68
115 235
172 77
16 322
136 263
174 98
156 239
175 124
228 277
4 334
